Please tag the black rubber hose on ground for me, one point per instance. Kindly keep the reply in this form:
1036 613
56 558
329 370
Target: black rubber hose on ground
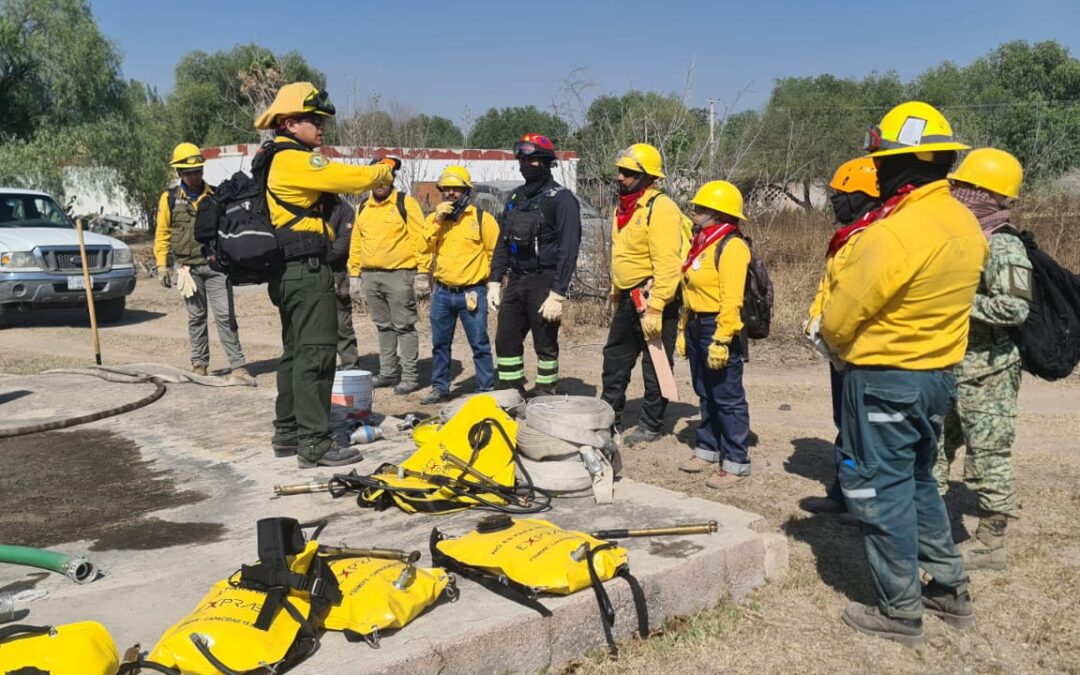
158 392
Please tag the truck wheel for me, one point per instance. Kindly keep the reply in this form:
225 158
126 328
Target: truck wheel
110 311
2 310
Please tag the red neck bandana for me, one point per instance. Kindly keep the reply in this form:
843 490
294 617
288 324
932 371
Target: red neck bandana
704 239
844 234
627 206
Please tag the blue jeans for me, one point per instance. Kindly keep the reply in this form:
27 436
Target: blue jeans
724 430
446 307
890 426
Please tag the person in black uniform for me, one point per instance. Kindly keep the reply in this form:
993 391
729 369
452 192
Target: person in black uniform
537 251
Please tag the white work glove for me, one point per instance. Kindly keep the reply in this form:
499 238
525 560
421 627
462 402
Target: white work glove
184 282
356 289
443 210
494 296
551 309
812 330
422 285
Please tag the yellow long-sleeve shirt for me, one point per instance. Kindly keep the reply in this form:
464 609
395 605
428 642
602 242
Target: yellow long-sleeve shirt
832 263
903 297
649 247
163 231
710 288
300 177
381 240
461 251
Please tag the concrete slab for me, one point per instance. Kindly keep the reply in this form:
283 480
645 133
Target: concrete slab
215 441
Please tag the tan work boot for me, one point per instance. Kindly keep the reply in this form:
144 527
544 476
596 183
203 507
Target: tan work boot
987 551
198 369
241 376
722 480
696 465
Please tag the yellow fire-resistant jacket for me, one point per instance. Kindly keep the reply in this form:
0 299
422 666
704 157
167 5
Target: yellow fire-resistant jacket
710 288
381 241
163 232
903 297
832 263
460 251
299 177
649 247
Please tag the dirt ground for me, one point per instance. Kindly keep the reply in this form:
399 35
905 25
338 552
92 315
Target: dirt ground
1027 618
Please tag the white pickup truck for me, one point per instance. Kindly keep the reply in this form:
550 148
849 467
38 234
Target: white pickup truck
40 265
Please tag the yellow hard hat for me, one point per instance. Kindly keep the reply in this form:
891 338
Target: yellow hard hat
911 127
426 430
991 169
298 98
856 175
187 156
641 157
722 196
455 176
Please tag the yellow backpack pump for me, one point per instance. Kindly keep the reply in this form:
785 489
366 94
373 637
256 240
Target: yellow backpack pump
83 648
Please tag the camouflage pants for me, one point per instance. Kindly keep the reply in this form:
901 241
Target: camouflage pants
984 421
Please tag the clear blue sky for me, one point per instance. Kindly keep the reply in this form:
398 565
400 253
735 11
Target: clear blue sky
444 57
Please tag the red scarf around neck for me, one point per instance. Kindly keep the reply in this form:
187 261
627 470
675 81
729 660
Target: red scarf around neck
704 239
627 206
844 234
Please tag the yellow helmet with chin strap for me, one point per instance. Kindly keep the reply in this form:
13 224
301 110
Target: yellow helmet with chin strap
911 127
991 169
643 158
455 176
722 196
187 156
298 98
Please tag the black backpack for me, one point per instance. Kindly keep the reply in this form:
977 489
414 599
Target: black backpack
234 223
758 294
1049 341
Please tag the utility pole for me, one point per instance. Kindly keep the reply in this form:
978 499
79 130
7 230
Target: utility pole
712 130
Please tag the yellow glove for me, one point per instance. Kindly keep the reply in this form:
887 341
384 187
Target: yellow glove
652 323
551 309
443 210
718 353
680 340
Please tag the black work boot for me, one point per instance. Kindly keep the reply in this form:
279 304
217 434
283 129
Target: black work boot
334 456
987 551
822 505
383 381
954 608
284 446
641 435
870 620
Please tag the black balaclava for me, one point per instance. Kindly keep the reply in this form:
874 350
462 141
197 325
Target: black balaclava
536 177
850 206
896 171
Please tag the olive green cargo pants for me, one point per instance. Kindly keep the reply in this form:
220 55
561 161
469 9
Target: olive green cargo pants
304 296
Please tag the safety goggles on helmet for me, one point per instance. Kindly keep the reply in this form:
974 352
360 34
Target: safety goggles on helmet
195 161
628 155
318 102
912 134
534 145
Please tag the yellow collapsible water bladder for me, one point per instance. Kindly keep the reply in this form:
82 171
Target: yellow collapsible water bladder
480 435
83 648
379 594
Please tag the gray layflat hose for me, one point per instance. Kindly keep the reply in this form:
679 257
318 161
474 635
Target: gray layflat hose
581 420
507 399
540 446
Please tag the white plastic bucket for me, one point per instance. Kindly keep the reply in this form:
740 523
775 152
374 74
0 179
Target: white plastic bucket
352 391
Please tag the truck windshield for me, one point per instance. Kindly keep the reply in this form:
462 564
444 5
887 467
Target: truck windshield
24 210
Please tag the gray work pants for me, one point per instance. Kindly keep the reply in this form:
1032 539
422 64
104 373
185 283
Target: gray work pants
213 289
346 334
392 303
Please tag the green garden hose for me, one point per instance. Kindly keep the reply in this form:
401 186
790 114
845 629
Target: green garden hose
77 568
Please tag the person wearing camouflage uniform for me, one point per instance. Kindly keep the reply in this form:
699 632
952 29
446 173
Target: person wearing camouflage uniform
988 379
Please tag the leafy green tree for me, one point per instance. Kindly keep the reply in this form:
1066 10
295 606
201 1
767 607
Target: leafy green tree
217 96
502 128
56 68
